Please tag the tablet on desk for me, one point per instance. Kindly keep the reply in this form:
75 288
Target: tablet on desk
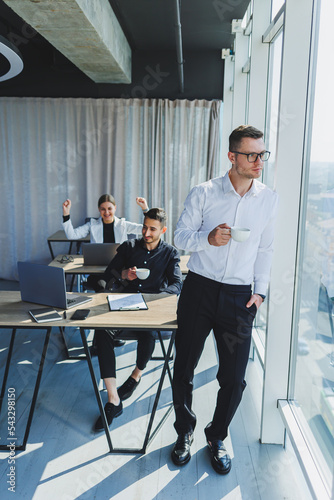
45 314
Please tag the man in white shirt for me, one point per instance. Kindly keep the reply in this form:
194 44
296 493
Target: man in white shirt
217 293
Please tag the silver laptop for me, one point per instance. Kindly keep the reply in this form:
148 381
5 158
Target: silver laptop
98 254
46 285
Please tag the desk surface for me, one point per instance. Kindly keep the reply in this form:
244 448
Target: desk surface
61 236
77 267
160 315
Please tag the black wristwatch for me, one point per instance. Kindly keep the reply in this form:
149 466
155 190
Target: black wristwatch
262 296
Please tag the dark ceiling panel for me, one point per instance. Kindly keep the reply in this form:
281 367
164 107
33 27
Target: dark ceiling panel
148 24
204 27
149 28
205 24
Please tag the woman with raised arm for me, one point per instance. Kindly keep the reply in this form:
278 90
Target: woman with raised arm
107 228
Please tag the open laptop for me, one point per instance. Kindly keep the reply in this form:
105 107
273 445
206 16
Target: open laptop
98 254
46 285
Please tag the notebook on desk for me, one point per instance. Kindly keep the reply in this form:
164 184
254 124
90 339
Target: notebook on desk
46 285
98 254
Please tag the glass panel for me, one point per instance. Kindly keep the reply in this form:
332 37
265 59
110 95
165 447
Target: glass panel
246 18
314 371
272 107
271 137
275 7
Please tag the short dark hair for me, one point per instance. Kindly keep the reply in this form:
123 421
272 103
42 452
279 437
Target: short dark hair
243 131
106 197
157 214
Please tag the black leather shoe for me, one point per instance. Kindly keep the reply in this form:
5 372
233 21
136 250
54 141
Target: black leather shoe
220 460
127 389
111 412
181 451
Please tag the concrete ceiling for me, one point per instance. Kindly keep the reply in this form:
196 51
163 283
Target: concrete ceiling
73 48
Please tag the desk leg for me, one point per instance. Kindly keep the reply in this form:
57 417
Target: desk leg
51 251
38 381
165 368
35 394
164 357
9 357
96 389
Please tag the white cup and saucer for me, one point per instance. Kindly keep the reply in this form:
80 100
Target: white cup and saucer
142 273
240 233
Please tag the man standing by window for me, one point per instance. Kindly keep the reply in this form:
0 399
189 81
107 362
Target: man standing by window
217 293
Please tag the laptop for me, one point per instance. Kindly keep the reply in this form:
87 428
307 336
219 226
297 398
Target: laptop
98 254
46 285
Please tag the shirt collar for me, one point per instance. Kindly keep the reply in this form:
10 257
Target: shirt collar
143 245
228 186
256 188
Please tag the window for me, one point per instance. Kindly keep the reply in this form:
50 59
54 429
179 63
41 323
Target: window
272 107
312 386
275 7
271 138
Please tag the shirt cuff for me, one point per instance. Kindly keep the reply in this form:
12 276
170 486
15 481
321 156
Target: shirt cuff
204 240
260 288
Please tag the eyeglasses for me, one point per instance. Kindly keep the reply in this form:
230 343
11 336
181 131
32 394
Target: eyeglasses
252 157
65 259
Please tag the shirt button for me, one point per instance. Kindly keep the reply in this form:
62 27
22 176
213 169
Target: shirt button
148 252
145 262
140 284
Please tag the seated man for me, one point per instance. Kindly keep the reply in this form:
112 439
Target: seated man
165 276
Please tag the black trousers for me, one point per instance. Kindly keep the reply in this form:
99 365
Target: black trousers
106 352
92 282
205 304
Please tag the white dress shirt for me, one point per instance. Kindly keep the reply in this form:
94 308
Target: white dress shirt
216 202
122 228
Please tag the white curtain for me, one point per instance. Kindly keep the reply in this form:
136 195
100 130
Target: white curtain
53 149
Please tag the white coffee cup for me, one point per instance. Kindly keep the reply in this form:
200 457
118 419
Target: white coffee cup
240 233
142 273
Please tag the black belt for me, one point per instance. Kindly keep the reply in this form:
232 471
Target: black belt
217 284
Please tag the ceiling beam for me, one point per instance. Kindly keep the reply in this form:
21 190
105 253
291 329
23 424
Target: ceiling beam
87 32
